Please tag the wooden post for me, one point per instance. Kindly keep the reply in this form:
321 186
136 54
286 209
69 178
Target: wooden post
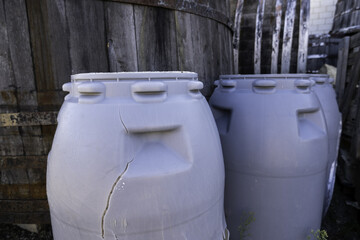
288 36
258 36
236 38
276 37
351 88
303 35
342 67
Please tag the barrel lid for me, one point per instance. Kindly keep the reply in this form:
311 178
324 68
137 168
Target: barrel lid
118 76
321 78
264 76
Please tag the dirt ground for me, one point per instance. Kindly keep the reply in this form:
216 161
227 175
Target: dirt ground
342 221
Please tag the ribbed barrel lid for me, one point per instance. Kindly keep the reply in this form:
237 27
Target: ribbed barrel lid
149 76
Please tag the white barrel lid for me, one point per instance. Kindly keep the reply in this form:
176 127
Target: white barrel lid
146 76
265 76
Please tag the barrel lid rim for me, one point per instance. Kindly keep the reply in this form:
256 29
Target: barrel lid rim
135 75
264 76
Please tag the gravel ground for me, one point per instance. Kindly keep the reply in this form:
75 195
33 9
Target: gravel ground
342 221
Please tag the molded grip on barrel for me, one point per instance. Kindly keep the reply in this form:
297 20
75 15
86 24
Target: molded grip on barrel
264 86
311 123
194 89
303 85
66 87
91 92
319 80
149 91
228 84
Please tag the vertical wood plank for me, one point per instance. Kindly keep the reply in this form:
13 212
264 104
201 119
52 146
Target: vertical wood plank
20 54
288 36
8 99
155 39
276 37
342 68
121 39
303 36
258 36
236 37
226 56
49 42
195 51
350 90
86 24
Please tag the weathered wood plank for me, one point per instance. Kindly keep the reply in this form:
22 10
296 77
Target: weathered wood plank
23 206
342 68
355 41
26 218
121 39
184 42
351 88
7 82
226 56
211 9
194 50
276 37
20 176
247 32
11 145
236 37
155 38
28 119
49 42
23 191
87 44
288 36
51 100
303 36
23 162
20 53
258 36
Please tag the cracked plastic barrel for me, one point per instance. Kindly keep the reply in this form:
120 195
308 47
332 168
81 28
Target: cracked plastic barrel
136 156
275 144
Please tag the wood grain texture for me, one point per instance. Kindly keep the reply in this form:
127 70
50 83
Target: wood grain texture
156 39
28 119
22 206
351 88
258 36
121 38
26 217
303 35
276 37
342 68
23 191
87 43
20 54
49 41
236 36
288 36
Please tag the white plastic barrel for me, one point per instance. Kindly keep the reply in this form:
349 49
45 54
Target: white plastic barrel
136 156
275 144
322 87
327 97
